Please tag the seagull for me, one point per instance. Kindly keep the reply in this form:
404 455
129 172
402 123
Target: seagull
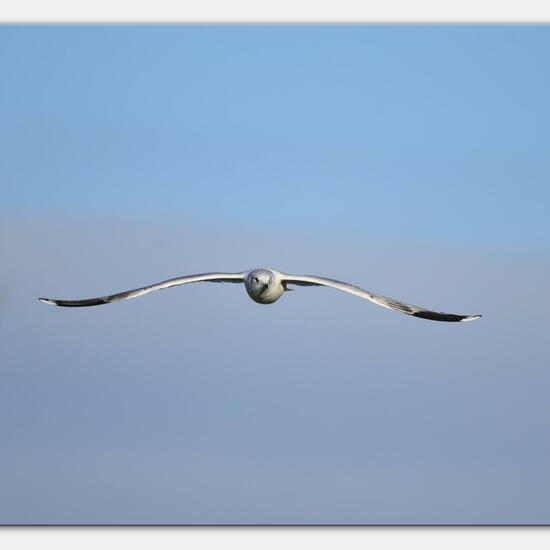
266 286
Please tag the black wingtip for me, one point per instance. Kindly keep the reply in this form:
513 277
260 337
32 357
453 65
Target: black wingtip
445 317
77 303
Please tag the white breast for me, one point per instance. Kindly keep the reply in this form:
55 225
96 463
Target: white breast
263 295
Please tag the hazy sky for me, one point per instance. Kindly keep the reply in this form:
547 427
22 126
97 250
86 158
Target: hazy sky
413 161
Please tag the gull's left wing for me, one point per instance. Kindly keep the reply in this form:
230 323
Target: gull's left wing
208 277
415 311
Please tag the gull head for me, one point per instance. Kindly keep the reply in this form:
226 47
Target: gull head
263 285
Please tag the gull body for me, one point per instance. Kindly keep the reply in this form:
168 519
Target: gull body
266 286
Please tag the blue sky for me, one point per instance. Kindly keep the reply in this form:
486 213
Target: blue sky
437 133
413 161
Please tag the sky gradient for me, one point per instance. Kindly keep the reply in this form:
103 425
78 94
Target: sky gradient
413 161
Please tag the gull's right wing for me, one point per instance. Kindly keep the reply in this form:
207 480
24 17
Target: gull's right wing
208 277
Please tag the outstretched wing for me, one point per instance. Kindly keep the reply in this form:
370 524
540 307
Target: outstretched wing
208 277
415 311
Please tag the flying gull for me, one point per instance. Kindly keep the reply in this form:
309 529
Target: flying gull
266 286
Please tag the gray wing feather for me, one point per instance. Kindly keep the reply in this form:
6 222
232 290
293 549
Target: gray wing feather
208 277
389 303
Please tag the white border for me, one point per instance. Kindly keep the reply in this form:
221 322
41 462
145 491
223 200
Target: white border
281 11
275 538
250 11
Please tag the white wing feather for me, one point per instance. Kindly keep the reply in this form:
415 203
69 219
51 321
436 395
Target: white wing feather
208 277
389 303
